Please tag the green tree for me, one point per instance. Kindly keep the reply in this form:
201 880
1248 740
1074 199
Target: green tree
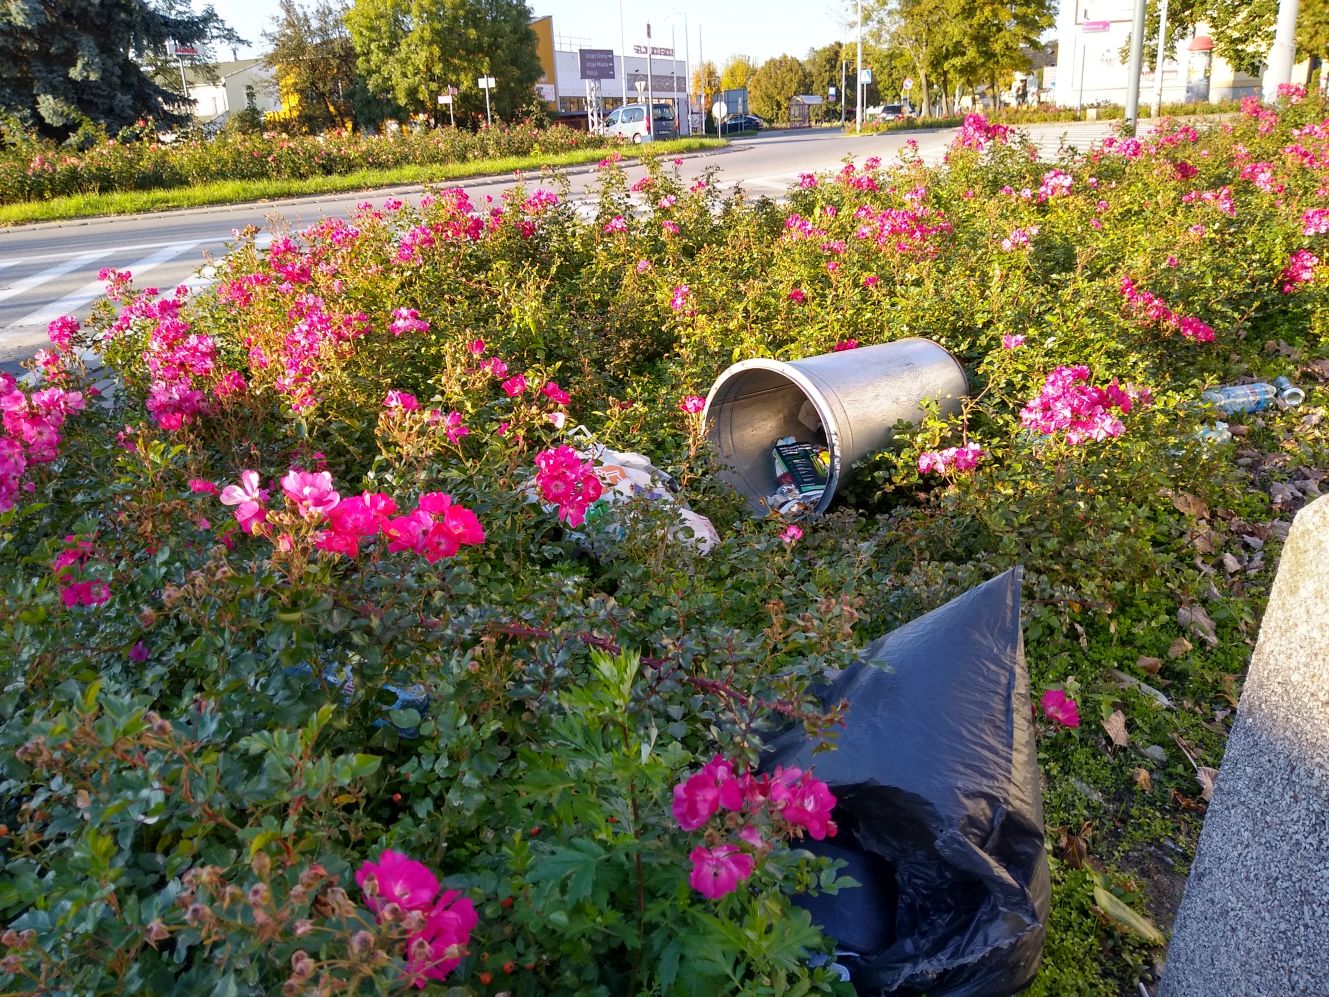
706 82
737 73
1313 33
411 49
774 85
66 64
1242 30
309 50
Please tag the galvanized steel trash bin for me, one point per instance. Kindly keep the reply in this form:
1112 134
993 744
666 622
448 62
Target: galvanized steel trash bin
858 396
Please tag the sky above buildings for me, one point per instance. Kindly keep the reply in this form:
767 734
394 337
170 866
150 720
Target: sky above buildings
716 29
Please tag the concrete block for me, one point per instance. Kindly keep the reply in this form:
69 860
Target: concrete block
1254 919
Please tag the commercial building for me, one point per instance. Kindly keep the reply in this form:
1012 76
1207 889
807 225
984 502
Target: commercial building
564 89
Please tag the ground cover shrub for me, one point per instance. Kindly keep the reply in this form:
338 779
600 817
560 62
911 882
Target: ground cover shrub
33 171
312 682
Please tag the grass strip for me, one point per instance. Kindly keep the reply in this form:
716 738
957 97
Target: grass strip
244 191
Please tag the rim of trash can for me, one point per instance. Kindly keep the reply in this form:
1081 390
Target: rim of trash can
812 393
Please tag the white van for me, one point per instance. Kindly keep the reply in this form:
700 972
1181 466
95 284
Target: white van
629 121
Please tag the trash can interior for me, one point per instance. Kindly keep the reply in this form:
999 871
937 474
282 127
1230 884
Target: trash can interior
753 409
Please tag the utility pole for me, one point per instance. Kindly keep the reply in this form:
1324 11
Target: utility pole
673 70
858 80
844 97
687 68
1283 53
701 61
1133 72
1156 108
650 85
622 57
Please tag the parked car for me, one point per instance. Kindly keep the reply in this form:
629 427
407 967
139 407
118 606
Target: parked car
630 121
889 112
741 123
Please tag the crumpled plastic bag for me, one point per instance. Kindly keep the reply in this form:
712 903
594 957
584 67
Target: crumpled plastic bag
631 477
939 808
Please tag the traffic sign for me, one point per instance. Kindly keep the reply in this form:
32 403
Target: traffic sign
445 98
485 82
908 83
865 77
597 63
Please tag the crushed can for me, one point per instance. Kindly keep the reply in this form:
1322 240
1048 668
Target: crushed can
1288 393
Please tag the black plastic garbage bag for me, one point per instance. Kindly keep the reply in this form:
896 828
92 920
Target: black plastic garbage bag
939 809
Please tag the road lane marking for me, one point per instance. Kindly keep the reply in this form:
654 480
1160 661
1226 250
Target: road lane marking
73 302
135 248
49 274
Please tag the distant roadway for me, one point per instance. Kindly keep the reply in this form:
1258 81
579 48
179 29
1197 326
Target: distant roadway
50 269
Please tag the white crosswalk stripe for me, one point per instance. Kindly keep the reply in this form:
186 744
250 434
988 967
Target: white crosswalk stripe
51 273
71 303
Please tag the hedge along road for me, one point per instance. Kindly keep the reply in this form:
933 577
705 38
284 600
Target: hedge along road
50 269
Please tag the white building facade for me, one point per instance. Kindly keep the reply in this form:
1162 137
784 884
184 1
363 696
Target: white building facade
1092 39
237 82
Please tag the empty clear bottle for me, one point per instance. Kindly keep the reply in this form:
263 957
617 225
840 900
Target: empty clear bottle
1234 398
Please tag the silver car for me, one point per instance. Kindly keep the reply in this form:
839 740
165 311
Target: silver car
630 121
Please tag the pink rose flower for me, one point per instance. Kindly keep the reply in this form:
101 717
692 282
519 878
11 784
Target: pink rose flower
692 404
716 872
514 386
311 491
437 949
396 879
1060 709
698 798
248 498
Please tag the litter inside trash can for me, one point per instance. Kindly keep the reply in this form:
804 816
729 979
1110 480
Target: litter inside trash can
842 405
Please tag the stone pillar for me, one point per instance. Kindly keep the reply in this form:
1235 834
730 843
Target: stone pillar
1254 921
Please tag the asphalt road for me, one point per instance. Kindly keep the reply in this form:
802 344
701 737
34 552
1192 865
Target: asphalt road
50 269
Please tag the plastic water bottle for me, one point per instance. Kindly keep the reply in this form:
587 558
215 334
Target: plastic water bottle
1288 393
1233 398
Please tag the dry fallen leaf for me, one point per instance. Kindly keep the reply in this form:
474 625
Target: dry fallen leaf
1190 505
1204 540
1144 780
1180 646
1150 665
1207 776
1115 726
1075 847
1185 802
1230 564
1198 622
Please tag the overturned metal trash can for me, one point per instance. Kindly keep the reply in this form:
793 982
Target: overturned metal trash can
853 398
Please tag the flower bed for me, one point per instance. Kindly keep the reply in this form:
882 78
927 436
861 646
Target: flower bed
38 172
313 684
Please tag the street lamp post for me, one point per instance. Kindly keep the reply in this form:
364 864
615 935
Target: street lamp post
687 68
1133 72
1156 106
858 80
1283 54
650 85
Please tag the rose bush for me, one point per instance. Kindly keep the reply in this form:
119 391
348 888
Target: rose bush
35 170
311 684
